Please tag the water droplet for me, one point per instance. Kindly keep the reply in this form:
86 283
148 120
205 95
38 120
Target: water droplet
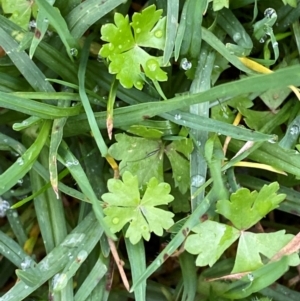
120 46
236 37
46 20
275 44
70 163
144 228
185 64
197 180
294 130
179 178
31 24
199 143
4 206
115 220
158 33
139 84
270 13
26 263
74 52
250 277
138 30
261 40
152 65
177 116
20 161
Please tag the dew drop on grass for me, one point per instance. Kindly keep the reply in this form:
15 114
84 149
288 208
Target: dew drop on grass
20 161
294 130
261 40
197 181
177 117
270 13
4 206
236 37
185 64
275 44
26 263
74 52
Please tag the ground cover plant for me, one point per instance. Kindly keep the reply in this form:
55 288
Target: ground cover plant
149 150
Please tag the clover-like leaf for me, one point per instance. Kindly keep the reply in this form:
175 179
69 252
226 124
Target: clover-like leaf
127 59
246 208
211 240
252 246
20 11
144 158
140 156
124 205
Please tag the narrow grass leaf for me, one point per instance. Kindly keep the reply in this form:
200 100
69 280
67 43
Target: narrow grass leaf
24 163
59 23
171 29
87 13
21 60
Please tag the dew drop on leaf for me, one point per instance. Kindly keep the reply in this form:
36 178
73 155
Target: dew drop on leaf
177 117
111 46
138 30
236 37
4 206
74 52
270 13
115 220
20 161
185 64
152 65
294 130
158 33
197 180
179 178
144 228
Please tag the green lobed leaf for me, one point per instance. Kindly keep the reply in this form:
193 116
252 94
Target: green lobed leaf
124 48
20 11
124 205
253 245
141 157
144 158
246 208
215 237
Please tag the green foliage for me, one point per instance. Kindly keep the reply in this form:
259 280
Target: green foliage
124 205
124 48
246 208
19 11
67 126
145 158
